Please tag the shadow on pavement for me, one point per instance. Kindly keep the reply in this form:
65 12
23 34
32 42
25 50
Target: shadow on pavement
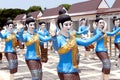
23 78
4 68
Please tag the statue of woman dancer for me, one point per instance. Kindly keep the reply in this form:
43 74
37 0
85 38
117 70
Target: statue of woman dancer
66 45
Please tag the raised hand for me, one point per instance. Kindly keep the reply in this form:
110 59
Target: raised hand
19 26
53 28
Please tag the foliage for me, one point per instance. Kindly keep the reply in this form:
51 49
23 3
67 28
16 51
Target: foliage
12 13
0 11
66 6
34 8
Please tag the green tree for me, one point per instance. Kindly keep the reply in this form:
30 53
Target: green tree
66 6
34 8
12 13
0 11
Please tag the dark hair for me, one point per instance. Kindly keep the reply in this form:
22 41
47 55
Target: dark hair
115 19
98 19
82 19
9 21
62 11
28 15
29 20
97 16
42 22
62 19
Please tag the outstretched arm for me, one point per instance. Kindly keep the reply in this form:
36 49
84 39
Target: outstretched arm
81 32
44 39
55 43
113 32
83 42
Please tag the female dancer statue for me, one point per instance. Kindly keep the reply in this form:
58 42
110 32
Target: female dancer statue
66 45
32 41
10 47
116 32
43 45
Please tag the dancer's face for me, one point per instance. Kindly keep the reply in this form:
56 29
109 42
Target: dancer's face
10 27
117 23
31 26
84 22
67 25
43 26
101 24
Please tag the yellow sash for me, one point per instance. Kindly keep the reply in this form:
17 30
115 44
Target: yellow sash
14 40
34 39
118 33
71 45
105 40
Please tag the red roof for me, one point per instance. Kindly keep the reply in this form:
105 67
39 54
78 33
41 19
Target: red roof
91 5
111 10
116 4
52 11
19 17
35 14
102 10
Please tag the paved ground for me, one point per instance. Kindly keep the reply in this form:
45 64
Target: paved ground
90 69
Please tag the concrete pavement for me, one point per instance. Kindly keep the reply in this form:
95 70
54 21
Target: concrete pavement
90 69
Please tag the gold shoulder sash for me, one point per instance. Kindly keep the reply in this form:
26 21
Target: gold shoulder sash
118 33
71 45
13 38
105 41
34 39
